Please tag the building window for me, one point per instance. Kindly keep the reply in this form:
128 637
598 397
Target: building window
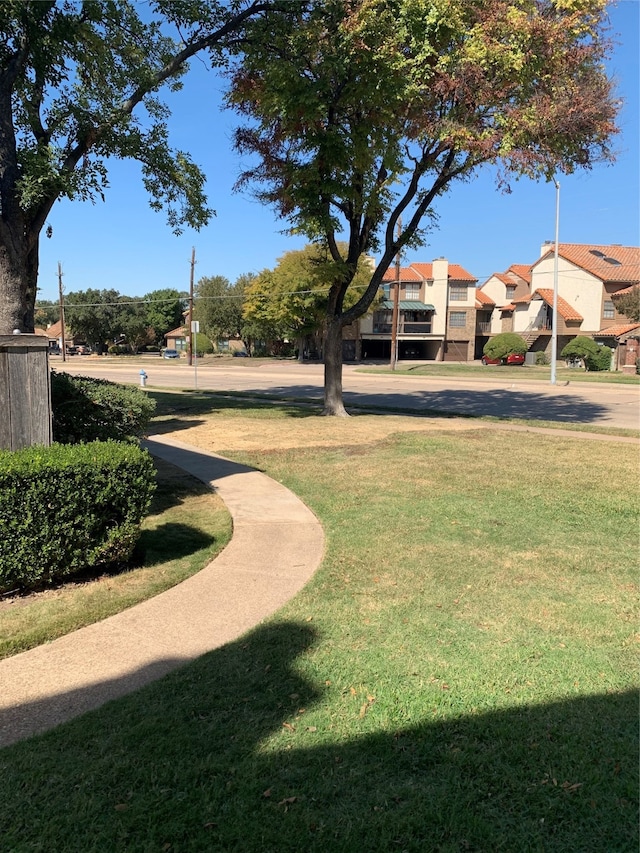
458 293
458 319
511 289
412 291
609 312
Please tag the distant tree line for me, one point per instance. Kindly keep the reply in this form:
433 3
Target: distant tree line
280 310
104 318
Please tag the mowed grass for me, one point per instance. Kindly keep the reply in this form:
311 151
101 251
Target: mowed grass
460 674
186 527
515 372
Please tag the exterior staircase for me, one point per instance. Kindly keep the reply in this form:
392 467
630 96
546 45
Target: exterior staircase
531 336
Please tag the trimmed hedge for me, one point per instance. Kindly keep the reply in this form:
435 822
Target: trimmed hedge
67 508
595 355
87 409
504 344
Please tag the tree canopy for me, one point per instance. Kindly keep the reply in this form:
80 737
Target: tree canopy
218 307
629 303
360 113
105 316
79 84
290 301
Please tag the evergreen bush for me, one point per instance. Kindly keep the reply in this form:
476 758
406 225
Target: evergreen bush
594 355
95 409
504 344
67 508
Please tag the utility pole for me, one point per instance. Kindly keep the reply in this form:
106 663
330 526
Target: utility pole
62 334
190 337
396 307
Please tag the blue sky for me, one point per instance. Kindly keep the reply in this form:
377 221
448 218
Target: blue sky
122 244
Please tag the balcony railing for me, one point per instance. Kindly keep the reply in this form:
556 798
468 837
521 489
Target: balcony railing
484 328
416 328
403 328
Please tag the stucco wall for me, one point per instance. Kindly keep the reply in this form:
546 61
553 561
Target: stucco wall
582 290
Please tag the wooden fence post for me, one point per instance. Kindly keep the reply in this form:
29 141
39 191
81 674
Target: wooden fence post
25 392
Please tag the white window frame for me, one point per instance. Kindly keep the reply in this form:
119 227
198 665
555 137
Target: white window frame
458 292
412 292
457 325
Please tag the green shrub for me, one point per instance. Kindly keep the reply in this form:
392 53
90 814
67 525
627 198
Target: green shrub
201 344
118 349
541 358
638 366
594 355
97 410
600 360
504 344
67 508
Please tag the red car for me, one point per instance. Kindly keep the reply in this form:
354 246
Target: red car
512 358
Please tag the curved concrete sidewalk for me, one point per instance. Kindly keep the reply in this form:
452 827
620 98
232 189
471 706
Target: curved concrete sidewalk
277 545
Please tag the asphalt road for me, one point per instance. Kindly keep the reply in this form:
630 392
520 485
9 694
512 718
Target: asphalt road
491 394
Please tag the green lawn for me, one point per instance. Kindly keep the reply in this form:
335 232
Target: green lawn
459 675
539 373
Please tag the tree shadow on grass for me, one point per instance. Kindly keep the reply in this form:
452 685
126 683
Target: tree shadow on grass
218 756
170 407
514 402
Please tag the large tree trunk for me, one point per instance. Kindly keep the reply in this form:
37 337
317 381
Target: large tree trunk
18 257
18 281
333 404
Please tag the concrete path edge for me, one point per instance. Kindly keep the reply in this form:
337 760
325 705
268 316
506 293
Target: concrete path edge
277 545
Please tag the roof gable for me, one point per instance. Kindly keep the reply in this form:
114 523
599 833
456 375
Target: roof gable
523 271
483 299
565 309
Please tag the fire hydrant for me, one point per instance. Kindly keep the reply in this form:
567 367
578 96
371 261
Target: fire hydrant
143 379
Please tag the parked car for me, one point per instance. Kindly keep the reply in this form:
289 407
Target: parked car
84 350
240 353
512 358
170 353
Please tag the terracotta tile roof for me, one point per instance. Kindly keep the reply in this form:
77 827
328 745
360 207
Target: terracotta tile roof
617 330
511 306
406 274
483 299
456 272
180 332
522 270
423 272
41 333
565 310
608 263
55 330
501 276
510 277
624 291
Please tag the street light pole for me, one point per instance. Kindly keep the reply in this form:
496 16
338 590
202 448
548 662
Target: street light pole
554 318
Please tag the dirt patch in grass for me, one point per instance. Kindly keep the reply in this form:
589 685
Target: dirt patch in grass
229 432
